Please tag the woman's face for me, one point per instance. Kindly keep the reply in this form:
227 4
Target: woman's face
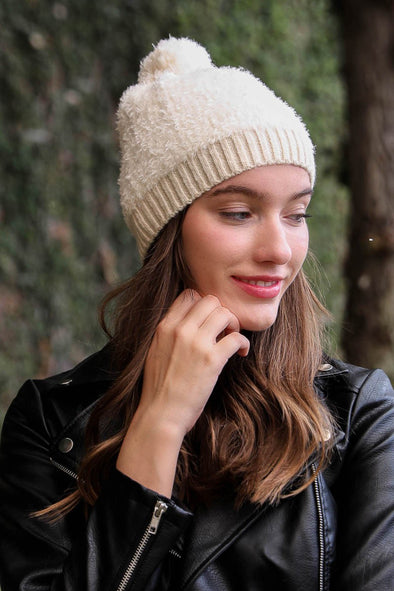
246 239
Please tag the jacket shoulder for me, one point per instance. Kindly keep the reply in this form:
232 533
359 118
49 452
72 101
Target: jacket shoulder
50 412
351 392
94 368
51 403
361 400
341 384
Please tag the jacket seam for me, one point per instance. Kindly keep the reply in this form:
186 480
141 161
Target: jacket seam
222 547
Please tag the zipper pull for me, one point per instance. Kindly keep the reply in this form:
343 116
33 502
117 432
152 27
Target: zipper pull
158 511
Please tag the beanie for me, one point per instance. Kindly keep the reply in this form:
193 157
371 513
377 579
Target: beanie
188 125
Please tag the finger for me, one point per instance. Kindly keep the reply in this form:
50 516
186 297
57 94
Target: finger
233 343
181 306
200 312
219 321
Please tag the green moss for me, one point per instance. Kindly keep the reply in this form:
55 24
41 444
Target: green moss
63 67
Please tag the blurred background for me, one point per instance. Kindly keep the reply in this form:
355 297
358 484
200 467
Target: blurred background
63 243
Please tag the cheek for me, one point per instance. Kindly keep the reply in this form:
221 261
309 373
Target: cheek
205 241
300 250
196 241
204 254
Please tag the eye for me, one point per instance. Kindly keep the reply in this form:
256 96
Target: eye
298 218
238 216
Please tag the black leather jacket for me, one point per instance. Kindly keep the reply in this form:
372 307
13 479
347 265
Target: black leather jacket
336 535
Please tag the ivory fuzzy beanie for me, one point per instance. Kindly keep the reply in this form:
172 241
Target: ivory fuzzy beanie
188 125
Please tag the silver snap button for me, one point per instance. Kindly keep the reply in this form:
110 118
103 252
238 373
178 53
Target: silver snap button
325 367
65 445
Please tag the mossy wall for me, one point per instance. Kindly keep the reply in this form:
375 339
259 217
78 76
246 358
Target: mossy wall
63 67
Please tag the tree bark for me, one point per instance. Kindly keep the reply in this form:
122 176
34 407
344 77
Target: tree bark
368 333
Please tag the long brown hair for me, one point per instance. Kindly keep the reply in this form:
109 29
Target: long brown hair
263 424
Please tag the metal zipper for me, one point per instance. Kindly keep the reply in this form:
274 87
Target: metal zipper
64 469
175 554
321 529
150 531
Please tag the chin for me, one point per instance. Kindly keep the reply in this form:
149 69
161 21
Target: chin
256 318
257 326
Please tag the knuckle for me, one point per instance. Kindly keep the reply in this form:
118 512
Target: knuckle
180 332
163 327
224 316
227 313
201 351
234 337
231 319
208 358
214 300
233 342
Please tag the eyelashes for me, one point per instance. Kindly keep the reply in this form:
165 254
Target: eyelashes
240 216
236 215
299 217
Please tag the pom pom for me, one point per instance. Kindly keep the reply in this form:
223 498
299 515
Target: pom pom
177 56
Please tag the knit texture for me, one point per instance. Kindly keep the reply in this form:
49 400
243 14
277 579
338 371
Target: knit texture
187 125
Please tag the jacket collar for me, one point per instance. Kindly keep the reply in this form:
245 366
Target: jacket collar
95 368
330 368
90 379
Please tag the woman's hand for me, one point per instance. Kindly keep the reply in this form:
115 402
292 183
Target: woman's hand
191 346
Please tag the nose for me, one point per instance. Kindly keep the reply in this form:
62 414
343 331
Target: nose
271 243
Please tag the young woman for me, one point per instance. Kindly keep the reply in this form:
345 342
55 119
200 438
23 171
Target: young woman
210 445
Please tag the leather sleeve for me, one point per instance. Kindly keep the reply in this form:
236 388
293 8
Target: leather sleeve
365 492
76 553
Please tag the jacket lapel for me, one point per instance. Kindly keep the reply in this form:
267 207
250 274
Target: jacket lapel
212 531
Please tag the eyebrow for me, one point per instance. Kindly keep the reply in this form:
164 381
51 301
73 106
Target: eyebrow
254 194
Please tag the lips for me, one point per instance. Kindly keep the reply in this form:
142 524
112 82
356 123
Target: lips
258 282
259 287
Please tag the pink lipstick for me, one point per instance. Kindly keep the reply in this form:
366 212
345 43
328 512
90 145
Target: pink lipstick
259 287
